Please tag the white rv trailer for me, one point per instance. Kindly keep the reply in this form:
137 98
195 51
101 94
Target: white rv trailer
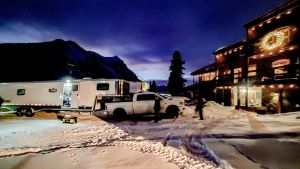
68 94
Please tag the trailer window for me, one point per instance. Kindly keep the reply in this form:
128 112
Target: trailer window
102 86
75 88
21 92
143 97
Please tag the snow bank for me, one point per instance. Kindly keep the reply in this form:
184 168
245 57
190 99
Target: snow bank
213 110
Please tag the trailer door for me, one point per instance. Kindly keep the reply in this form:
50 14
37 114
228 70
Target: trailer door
70 94
74 95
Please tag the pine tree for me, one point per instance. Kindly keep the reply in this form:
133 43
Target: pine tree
153 86
176 81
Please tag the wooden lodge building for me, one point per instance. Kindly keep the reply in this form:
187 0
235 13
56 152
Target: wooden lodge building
262 71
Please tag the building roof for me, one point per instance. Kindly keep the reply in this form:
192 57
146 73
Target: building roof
228 47
289 4
205 69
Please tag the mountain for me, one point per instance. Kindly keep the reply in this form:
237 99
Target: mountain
55 60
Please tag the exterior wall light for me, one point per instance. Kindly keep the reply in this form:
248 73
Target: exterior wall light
291 86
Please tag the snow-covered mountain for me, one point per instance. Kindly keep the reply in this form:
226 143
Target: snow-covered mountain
55 60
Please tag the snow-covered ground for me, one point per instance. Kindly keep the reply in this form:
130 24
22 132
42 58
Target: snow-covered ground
227 138
24 137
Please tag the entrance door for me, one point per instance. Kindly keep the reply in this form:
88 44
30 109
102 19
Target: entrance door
74 95
67 94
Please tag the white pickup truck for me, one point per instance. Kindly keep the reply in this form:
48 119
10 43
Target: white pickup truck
138 104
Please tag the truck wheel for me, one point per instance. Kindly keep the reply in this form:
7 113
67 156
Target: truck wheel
172 111
29 112
119 114
20 111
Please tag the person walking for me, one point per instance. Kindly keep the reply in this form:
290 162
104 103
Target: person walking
156 107
200 105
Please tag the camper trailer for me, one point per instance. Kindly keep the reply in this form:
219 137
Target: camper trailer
67 94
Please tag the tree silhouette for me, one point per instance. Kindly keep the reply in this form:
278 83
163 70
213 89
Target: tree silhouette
176 81
153 87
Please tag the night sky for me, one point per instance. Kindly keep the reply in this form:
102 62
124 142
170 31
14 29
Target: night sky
144 33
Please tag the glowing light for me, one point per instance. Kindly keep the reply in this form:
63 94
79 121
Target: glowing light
263 86
271 53
268 21
262 55
278 17
291 48
281 50
254 57
294 29
260 25
289 12
68 81
235 49
253 28
241 48
280 86
271 86
291 86
272 40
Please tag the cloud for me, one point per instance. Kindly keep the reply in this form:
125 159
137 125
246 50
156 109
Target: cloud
19 32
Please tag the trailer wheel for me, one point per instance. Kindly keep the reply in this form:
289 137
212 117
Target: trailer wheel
120 114
172 111
20 111
29 112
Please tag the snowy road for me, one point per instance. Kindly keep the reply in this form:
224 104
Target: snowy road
235 138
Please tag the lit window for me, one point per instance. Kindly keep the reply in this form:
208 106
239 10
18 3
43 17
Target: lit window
252 70
237 74
279 64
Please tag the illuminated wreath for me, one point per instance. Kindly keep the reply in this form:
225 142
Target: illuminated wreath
272 40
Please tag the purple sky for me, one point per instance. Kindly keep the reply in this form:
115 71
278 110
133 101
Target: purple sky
144 33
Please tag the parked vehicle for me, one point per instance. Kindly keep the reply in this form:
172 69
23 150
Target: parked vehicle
139 103
27 97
